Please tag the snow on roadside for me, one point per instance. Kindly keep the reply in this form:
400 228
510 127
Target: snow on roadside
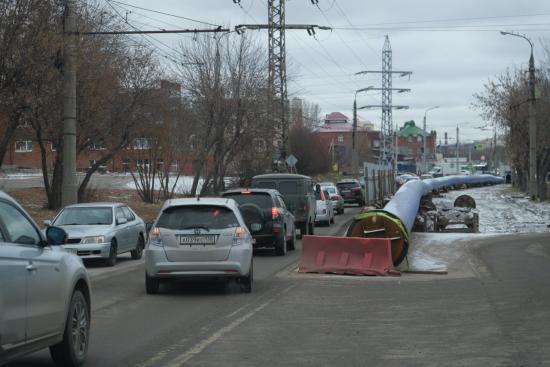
500 212
183 186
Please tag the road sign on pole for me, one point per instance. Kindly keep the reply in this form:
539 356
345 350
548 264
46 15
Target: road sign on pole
291 160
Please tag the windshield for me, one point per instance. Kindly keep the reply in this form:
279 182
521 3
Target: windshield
197 216
330 189
347 185
263 200
84 216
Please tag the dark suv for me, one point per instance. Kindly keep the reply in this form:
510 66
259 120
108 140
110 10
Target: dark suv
269 221
351 191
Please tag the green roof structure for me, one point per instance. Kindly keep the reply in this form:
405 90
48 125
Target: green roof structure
410 129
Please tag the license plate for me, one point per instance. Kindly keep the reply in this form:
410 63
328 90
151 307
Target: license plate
207 239
72 250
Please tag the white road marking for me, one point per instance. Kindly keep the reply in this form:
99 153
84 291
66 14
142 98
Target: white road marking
200 346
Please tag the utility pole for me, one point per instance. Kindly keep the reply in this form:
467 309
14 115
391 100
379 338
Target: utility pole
69 185
457 166
533 174
277 93
424 139
386 153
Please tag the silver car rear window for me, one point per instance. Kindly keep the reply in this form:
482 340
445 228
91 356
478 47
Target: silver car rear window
84 216
191 216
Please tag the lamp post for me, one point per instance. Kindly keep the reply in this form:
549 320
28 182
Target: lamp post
533 188
424 139
354 158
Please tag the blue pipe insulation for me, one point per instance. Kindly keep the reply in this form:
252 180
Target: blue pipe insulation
404 204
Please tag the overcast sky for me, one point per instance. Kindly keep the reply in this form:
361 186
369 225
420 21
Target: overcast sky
452 47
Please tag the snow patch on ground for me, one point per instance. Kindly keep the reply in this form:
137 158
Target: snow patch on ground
499 213
183 185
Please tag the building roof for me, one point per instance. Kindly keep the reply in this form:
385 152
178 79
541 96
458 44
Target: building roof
339 128
336 116
410 129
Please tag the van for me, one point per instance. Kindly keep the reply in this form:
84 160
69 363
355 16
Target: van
297 191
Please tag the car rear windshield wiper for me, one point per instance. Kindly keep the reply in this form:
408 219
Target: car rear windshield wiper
197 226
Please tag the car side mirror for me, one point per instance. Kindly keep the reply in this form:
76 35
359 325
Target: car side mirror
121 221
47 223
56 236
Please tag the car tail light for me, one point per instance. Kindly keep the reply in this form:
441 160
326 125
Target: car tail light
239 236
246 192
155 236
274 213
335 197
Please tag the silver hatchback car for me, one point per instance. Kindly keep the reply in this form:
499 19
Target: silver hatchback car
202 237
101 230
44 291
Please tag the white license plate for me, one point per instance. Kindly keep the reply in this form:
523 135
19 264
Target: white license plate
207 239
72 250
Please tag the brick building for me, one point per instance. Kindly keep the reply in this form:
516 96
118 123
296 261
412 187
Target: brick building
337 135
410 144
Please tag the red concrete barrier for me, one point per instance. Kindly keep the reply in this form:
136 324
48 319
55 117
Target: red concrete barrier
347 255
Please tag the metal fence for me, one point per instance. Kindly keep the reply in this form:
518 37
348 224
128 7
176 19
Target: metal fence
379 182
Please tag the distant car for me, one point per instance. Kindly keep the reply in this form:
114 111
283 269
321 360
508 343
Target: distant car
101 230
401 179
199 238
351 191
267 218
44 291
426 176
325 211
335 197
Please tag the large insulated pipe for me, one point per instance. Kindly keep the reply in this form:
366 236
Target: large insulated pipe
397 218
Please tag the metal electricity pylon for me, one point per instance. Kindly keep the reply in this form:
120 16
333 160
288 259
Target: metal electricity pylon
277 93
386 154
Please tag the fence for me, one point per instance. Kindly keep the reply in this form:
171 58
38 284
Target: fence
379 182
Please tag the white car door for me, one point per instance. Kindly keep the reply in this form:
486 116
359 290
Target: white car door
45 300
122 231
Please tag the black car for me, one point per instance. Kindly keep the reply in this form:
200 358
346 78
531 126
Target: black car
267 218
351 191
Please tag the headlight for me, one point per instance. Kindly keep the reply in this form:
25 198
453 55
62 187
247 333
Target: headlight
93 239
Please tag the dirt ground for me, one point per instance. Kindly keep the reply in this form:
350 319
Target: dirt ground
34 201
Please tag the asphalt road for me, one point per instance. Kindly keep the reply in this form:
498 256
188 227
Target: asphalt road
497 313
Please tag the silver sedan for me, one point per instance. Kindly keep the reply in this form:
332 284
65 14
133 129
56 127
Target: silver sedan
101 230
194 238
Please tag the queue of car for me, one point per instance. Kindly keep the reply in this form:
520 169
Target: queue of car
45 291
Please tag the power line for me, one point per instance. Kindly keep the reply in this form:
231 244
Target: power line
163 13
359 33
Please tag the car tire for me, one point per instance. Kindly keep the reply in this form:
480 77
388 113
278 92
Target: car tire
303 230
72 350
151 284
137 253
280 247
111 260
332 220
342 210
291 244
246 282
311 227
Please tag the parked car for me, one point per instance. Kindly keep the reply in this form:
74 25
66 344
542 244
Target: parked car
325 211
199 238
335 197
426 176
266 216
101 230
405 177
44 291
297 190
351 191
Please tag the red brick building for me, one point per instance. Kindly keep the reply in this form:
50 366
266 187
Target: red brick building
337 135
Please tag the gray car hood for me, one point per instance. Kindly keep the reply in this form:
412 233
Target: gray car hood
80 231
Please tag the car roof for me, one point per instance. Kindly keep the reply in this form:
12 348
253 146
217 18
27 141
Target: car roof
95 204
281 175
230 203
327 184
239 191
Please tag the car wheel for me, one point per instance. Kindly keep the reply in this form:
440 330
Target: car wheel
311 231
291 244
332 220
246 282
280 248
138 252
342 210
72 350
151 284
111 260
303 229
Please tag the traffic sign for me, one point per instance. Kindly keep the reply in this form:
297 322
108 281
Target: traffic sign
291 160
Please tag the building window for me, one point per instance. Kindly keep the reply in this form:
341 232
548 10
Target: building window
410 139
126 165
192 142
376 143
419 139
142 164
23 146
160 164
340 138
25 123
142 143
95 146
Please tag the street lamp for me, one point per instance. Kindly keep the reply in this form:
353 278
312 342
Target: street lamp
424 139
533 189
354 158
